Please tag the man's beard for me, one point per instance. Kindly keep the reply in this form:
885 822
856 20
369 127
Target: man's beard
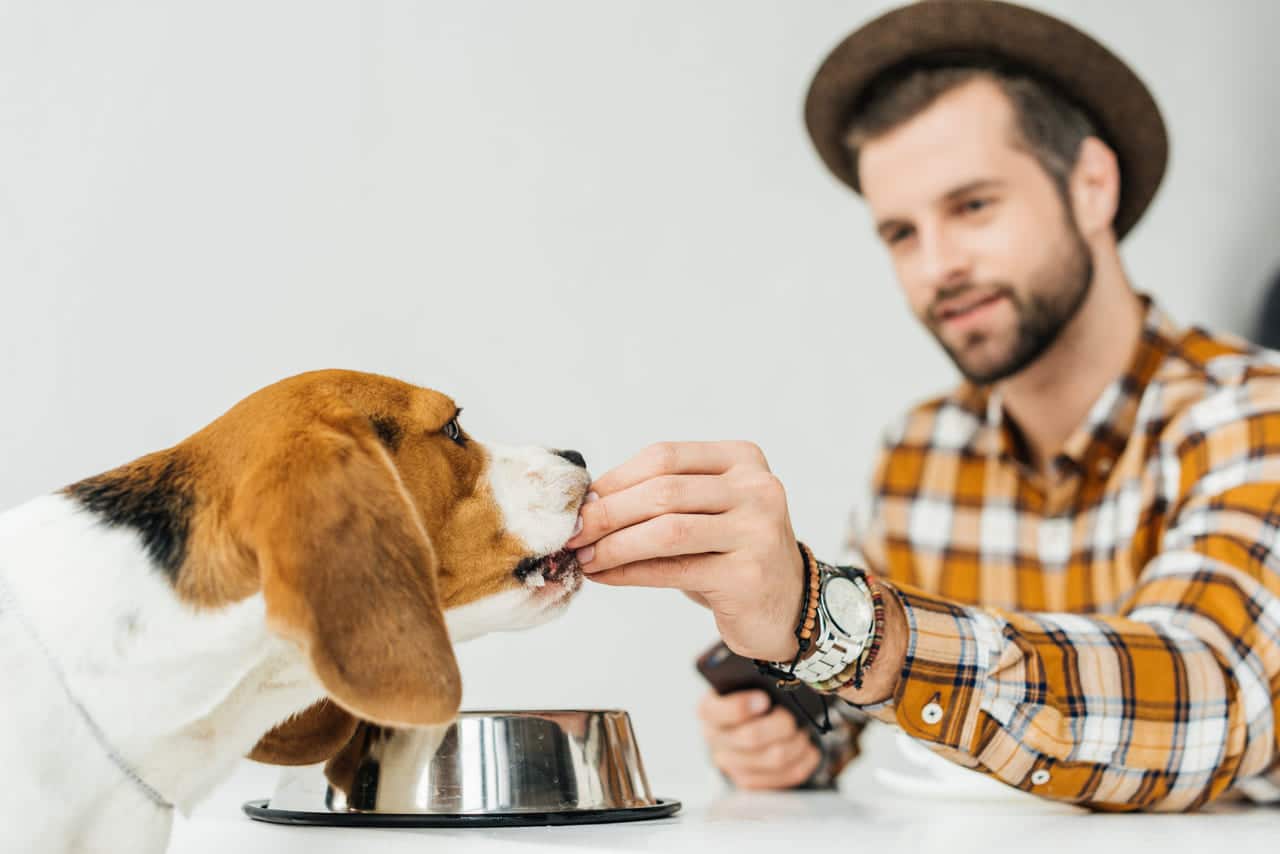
1057 291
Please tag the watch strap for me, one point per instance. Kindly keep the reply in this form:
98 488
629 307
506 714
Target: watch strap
831 652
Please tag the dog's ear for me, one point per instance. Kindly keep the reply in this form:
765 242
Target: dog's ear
348 571
313 735
347 771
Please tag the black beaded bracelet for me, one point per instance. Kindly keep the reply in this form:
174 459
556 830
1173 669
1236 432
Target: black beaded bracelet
786 679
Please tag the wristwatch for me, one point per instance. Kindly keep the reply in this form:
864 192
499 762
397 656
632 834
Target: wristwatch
843 626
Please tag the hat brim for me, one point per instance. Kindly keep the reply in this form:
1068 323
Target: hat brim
1095 79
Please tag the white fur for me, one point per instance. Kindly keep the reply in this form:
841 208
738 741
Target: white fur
400 772
538 494
508 611
179 694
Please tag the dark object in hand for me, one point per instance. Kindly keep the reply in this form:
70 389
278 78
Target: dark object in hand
729 672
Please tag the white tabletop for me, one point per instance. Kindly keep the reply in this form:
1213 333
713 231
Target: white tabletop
717 819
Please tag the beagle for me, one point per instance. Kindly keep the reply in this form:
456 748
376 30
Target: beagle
300 565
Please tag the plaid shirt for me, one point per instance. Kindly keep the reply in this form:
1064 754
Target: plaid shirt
1108 635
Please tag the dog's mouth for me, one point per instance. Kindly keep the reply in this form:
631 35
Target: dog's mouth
558 573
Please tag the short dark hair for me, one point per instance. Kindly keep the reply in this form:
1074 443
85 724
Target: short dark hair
1047 124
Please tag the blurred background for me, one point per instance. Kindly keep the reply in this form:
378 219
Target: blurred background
596 225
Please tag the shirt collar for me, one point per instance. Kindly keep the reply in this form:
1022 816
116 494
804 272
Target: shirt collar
1100 438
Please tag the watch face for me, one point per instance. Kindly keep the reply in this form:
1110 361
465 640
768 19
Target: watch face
848 607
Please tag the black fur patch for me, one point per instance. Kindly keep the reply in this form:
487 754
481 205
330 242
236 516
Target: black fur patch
388 431
151 496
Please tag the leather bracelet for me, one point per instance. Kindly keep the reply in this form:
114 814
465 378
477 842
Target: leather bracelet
804 634
852 675
806 622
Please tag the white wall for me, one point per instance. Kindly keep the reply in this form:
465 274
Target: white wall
595 224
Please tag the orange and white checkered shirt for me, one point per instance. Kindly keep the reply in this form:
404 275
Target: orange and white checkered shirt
1109 635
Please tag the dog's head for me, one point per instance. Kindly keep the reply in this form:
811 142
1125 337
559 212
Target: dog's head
378 532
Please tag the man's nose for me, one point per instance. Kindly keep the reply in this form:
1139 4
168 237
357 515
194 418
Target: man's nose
944 260
573 457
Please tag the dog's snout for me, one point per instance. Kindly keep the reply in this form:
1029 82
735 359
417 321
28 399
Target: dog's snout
574 457
526 568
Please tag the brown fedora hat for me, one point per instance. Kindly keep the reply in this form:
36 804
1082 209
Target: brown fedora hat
935 31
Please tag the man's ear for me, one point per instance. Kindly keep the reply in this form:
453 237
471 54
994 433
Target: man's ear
348 572
313 735
1094 187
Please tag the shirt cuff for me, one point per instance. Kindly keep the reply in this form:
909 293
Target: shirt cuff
949 654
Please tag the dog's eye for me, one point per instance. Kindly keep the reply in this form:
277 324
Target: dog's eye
454 431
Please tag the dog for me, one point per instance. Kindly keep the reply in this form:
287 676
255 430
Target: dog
301 565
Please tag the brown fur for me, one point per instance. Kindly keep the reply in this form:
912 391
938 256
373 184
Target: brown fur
442 480
311 736
337 495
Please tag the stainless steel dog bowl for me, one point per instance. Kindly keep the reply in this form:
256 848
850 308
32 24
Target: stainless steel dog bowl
490 768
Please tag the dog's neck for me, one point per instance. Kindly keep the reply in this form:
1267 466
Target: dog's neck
179 693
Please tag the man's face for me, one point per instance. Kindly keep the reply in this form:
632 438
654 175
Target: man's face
982 241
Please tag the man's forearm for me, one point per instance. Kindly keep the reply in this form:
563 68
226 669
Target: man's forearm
1134 711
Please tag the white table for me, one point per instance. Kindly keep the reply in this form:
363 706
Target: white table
714 819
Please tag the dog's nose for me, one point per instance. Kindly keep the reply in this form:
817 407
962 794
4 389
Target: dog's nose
528 566
573 457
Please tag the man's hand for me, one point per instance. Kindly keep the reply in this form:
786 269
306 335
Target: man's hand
708 518
754 747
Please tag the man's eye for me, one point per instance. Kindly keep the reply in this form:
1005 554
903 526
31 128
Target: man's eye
898 235
454 431
974 205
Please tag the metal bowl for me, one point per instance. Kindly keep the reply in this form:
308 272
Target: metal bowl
513 767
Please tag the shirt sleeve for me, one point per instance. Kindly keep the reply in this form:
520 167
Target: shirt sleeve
1163 706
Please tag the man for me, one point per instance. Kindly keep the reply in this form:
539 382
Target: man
1075 549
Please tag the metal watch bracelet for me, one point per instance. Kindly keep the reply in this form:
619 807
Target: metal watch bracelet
835 647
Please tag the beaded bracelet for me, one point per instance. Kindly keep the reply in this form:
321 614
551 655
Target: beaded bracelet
808 612
877 636
804 635
852 675
809 606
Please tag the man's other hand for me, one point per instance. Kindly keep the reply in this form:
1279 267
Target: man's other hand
755 747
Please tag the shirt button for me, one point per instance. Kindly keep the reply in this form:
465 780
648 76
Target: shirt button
1039 777
932 713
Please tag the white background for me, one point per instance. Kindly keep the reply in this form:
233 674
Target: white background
596 224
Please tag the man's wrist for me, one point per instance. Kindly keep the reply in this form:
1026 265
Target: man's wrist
804 568
880 680
842 632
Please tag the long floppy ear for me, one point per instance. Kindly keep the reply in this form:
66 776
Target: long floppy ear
313 735
348 572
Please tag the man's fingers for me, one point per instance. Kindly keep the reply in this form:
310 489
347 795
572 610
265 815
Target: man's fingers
779 766
679 458
756 735
776 757
697 597
688 573
724 710
673 535
767 782
665 494
756 751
